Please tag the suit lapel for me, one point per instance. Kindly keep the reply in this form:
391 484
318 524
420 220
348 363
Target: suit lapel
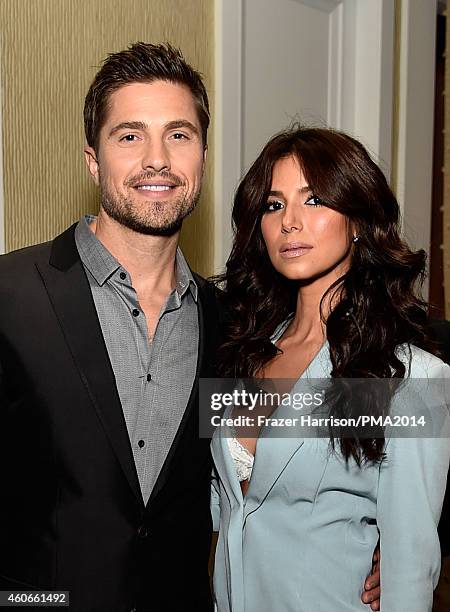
69 292
272 456
273 453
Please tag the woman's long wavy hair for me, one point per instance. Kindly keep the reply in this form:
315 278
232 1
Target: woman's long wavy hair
376 307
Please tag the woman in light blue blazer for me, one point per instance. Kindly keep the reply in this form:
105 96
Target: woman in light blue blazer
321 286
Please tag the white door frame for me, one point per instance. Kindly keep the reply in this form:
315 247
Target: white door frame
416 119
360 83
227 120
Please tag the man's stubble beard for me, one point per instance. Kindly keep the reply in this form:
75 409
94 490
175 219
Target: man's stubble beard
157 218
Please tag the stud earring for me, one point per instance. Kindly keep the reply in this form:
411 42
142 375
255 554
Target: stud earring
355 238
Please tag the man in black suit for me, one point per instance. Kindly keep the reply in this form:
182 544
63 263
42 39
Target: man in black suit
104 333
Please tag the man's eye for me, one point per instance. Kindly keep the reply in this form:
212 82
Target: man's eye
273 206
128 138
179 136
314 201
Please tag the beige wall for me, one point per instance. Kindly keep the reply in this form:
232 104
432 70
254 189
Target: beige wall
49 53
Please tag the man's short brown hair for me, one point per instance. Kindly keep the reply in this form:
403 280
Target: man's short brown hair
141 63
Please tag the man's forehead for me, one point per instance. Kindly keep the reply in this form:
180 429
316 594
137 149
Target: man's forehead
158 99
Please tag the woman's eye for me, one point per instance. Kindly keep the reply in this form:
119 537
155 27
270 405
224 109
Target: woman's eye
314 201
273 206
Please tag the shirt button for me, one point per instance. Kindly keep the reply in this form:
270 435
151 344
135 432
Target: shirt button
149 377
142 532
141 443
135 312
123 275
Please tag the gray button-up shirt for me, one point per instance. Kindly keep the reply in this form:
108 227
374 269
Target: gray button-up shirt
154 379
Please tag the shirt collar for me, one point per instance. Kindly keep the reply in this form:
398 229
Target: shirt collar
94 255
102 265
185 279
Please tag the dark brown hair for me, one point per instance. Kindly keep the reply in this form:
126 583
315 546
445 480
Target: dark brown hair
141 63
376 309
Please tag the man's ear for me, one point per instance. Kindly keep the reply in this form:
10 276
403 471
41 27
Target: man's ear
205 155
91 161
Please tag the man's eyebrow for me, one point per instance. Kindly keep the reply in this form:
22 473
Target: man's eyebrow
182 123
140 125
128 125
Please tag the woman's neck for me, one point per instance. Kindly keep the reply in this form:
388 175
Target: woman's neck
312 310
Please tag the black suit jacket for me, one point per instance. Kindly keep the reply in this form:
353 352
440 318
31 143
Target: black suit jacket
71 511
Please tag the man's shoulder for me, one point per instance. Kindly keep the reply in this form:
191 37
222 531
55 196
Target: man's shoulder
19 277
21 259
19 270
26 258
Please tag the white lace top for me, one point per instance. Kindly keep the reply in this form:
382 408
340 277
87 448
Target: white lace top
243 459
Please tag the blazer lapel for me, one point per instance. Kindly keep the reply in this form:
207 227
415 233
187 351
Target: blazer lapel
69 292
273 453
272 456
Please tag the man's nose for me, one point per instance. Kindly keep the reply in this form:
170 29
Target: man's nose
156 156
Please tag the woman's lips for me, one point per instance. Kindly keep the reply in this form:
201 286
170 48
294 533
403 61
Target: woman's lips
294 249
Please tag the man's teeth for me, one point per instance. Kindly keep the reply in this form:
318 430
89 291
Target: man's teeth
154 187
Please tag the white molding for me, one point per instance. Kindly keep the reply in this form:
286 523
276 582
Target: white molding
416 119
322 5
367 87
227 121
360 77
348 75
335 66
2 201
386 87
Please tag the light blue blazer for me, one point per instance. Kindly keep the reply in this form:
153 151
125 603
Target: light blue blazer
302 539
